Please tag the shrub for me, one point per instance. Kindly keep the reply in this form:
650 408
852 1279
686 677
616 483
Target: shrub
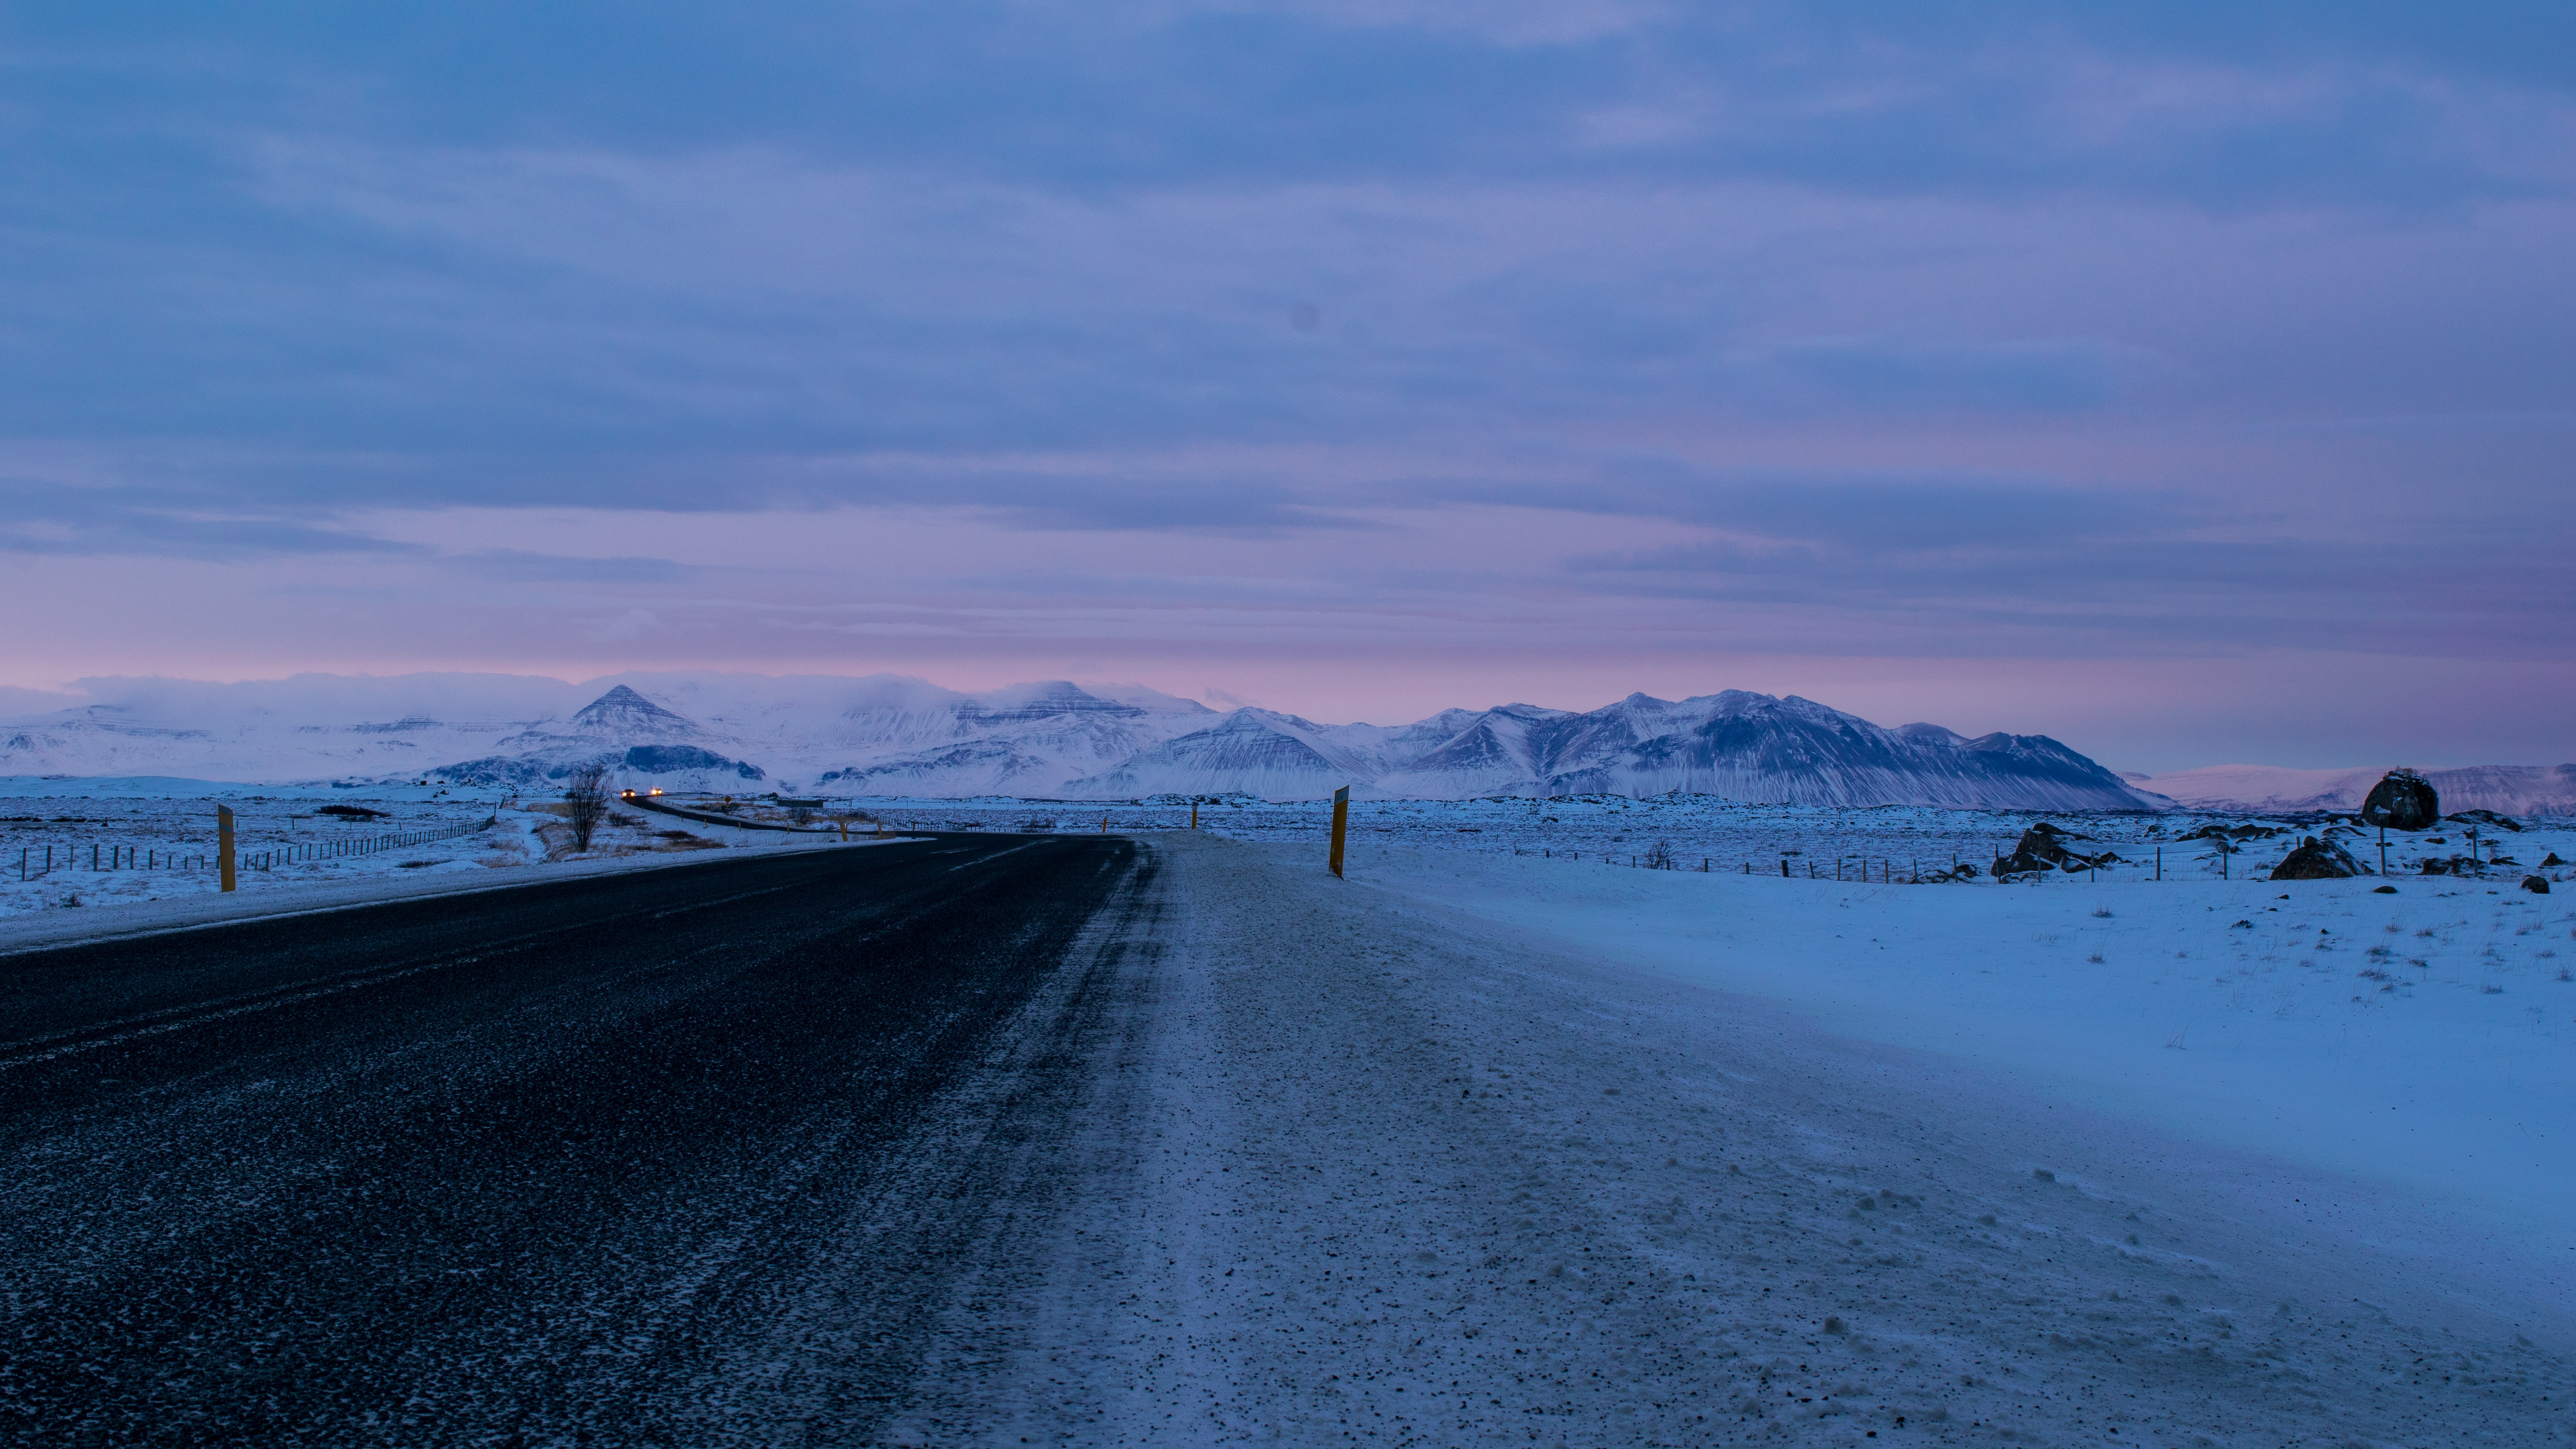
586 802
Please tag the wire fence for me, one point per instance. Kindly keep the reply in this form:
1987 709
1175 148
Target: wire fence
272 858
104 858
1866 868
1895 869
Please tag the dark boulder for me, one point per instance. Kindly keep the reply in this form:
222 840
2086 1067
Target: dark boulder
2488 817
2316 859
2403 800
2041 848
2537 885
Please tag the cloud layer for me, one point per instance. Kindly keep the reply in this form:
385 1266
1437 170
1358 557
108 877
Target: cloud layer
1325 353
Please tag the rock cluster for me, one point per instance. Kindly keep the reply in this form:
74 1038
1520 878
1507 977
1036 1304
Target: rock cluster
2042 847
2232 832
2316 859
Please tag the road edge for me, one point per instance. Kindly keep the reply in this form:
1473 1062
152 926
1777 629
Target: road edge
141 919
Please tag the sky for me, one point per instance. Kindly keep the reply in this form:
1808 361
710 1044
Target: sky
2193 383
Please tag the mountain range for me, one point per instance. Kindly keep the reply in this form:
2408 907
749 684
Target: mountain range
2511 789
887 735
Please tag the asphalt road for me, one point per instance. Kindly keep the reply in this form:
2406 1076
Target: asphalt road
680 1157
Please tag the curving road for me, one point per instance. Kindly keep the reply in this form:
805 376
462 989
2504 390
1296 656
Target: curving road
590 1162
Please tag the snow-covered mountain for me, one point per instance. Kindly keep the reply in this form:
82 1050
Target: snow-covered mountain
1742 746
878 735
890 735
2511 789
631 734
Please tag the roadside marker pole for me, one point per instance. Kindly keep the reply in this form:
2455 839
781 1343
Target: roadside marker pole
1194 815
1341 825
224 844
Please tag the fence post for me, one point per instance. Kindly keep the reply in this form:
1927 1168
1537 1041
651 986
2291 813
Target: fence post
1341 823
224 844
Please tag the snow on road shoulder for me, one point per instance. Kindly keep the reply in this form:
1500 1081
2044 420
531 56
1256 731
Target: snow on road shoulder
2424 1041
110 918
73 865
1381 1170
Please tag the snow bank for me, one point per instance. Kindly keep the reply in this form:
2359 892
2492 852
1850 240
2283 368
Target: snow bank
2424 1040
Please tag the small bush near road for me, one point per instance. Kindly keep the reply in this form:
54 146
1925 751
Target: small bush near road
586 803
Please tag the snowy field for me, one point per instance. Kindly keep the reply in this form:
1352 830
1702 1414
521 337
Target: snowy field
82 844
1472 1150
1811 842
2424 1041
90 829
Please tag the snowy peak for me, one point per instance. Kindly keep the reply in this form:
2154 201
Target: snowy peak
1026 702
622 714
1759 748
1254 751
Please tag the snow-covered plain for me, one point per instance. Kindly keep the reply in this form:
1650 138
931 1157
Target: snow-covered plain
1376 1161
2425 1041
1811 841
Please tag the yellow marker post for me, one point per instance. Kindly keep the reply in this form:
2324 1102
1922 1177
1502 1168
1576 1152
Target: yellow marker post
224 845
1194 818
845 832
1341 825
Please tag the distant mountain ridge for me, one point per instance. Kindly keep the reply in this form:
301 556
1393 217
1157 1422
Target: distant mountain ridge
887 735
2510 789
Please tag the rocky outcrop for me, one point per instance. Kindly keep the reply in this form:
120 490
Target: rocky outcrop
2316 859
2043 847
2232 833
